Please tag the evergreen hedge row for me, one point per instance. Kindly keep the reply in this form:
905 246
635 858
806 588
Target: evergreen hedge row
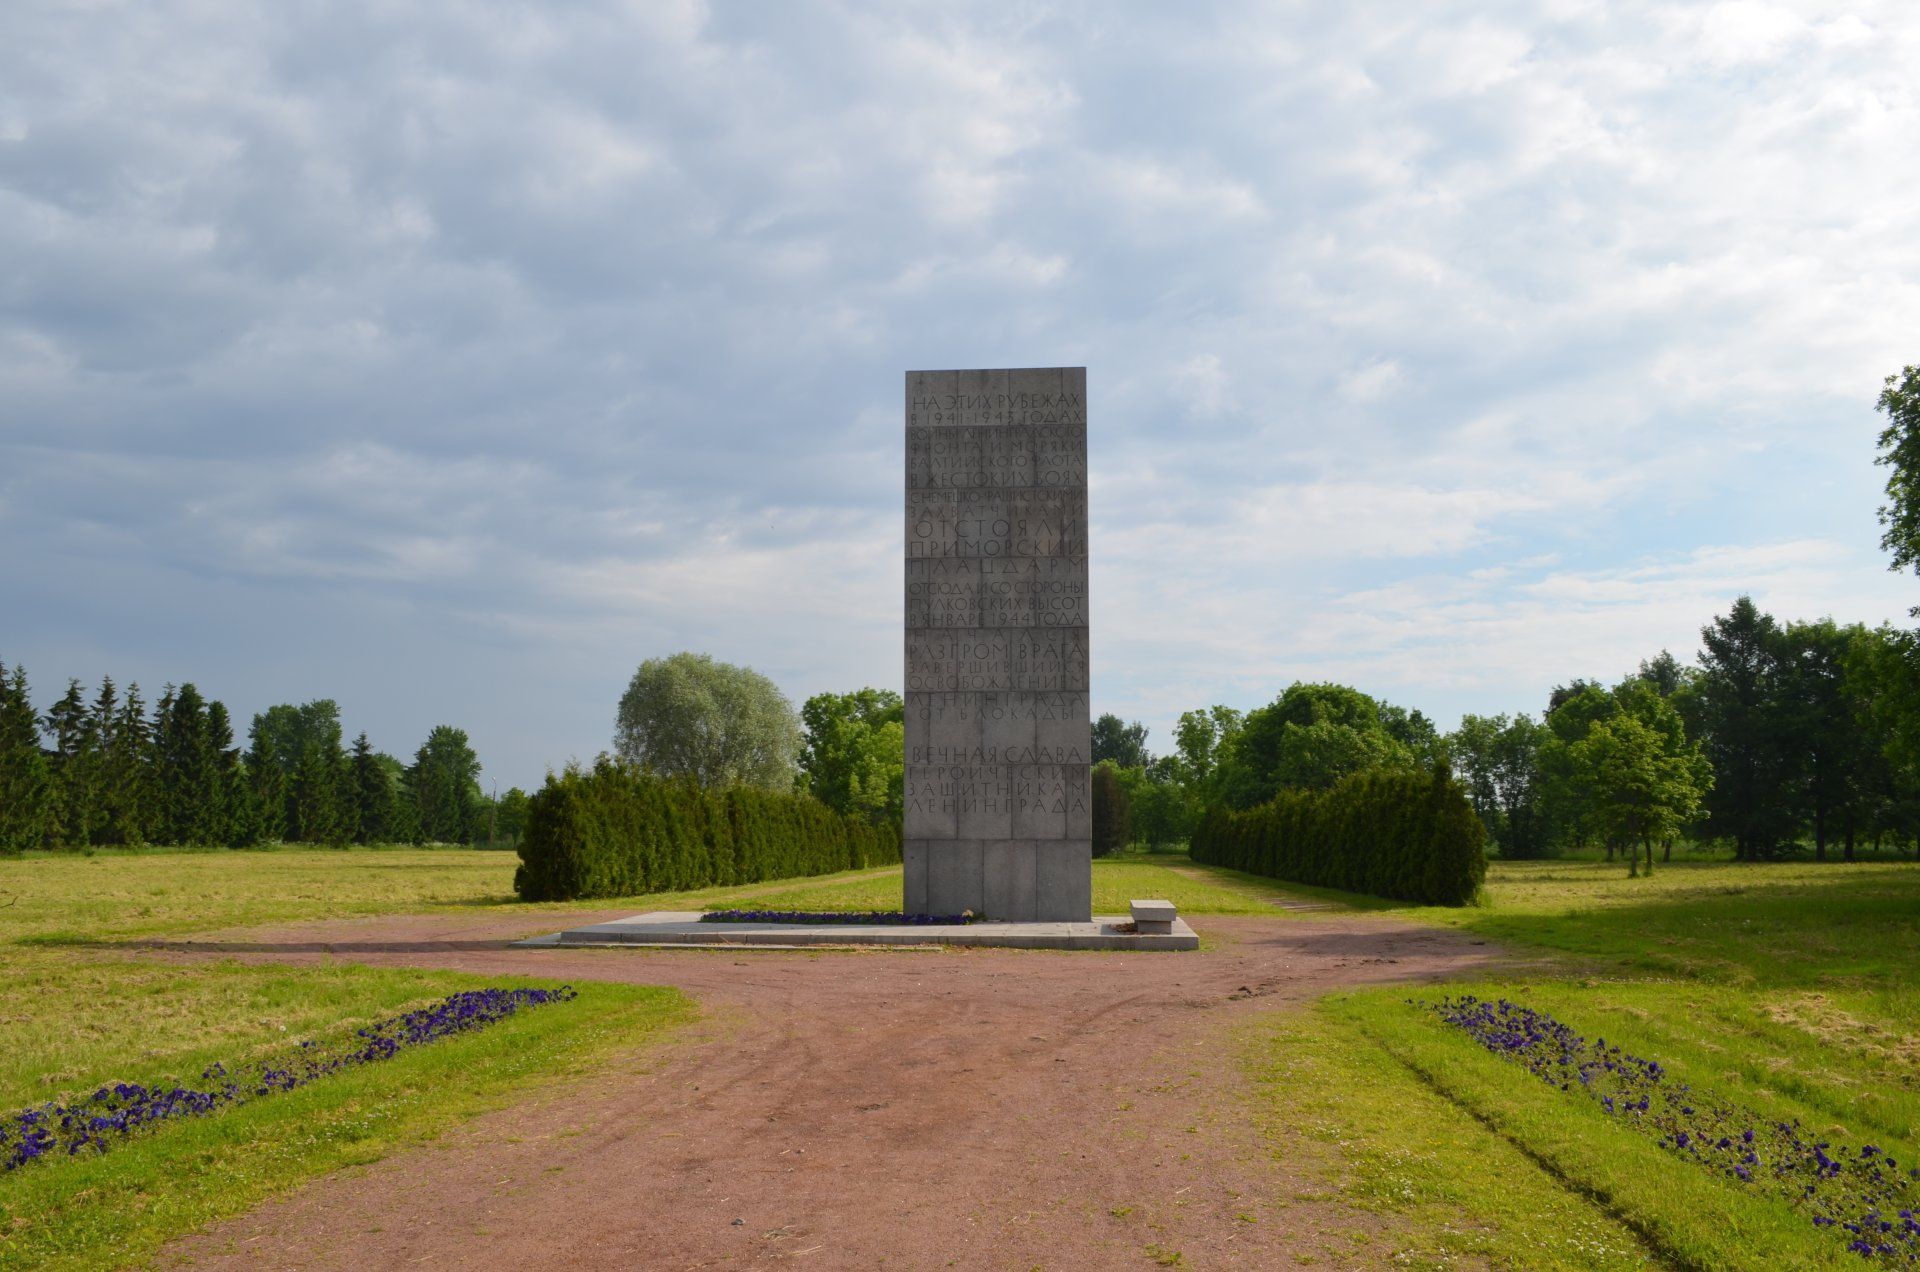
617 831
1409 835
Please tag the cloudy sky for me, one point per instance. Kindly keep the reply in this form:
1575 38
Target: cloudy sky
448 359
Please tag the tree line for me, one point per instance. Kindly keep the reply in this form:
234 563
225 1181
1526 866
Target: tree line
1777 738
1309 738
103 770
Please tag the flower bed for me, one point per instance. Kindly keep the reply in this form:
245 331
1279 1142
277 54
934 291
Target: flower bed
870 918
113 1113
1862 1192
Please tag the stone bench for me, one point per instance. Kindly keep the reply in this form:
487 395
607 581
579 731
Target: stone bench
1152 918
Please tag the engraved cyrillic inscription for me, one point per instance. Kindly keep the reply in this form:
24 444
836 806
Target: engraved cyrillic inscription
962 591
997 723
1048 457
996 523
993 659
1014 788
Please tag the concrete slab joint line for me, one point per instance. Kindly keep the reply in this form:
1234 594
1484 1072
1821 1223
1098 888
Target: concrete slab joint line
999 808
685 927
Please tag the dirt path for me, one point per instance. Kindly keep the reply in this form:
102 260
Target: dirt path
971 1109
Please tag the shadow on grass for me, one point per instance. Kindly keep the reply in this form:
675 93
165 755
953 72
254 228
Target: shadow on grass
1373 943
1803 936
1855 927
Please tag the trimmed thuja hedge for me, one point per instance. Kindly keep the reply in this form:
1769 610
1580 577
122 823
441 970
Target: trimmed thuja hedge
1408 835
615 831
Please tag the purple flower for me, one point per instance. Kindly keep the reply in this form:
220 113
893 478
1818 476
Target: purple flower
1837 1187
124 1107
875 918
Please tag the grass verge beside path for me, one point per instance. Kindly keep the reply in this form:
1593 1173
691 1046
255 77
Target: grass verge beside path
119 1207
1790 990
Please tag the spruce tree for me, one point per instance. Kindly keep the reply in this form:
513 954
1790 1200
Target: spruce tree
243 809
75 768
371 794
230 816
1748 740
1110 810
104 718
25 783
405 827
188 771
65 721
128 786
267 774
445 787
160 816
314 797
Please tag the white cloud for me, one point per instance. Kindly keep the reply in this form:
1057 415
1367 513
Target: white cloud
1371 381
1451 352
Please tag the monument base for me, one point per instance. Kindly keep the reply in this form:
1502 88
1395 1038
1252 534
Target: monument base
683 927
1019 881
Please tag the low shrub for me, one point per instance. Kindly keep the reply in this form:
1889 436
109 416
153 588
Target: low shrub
618 831
1409 835
1112 815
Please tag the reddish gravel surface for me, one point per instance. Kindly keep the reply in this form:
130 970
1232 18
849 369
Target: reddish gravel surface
859 1109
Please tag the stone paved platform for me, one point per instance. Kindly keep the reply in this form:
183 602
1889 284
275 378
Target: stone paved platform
683 927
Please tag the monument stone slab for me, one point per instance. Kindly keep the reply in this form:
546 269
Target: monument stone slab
998 804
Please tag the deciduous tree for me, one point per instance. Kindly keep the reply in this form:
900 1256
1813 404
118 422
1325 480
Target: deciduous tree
1202 740
1645 787
1309 738
853 753
1900 455
1498 758
690 716
1125 744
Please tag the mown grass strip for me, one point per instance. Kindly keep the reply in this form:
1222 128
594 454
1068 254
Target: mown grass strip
1429 1183
1693 1218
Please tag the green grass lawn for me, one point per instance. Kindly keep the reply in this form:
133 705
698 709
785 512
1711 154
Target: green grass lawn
1194 889
68 900
1790 989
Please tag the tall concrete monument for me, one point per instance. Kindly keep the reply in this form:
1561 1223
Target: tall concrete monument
999 812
